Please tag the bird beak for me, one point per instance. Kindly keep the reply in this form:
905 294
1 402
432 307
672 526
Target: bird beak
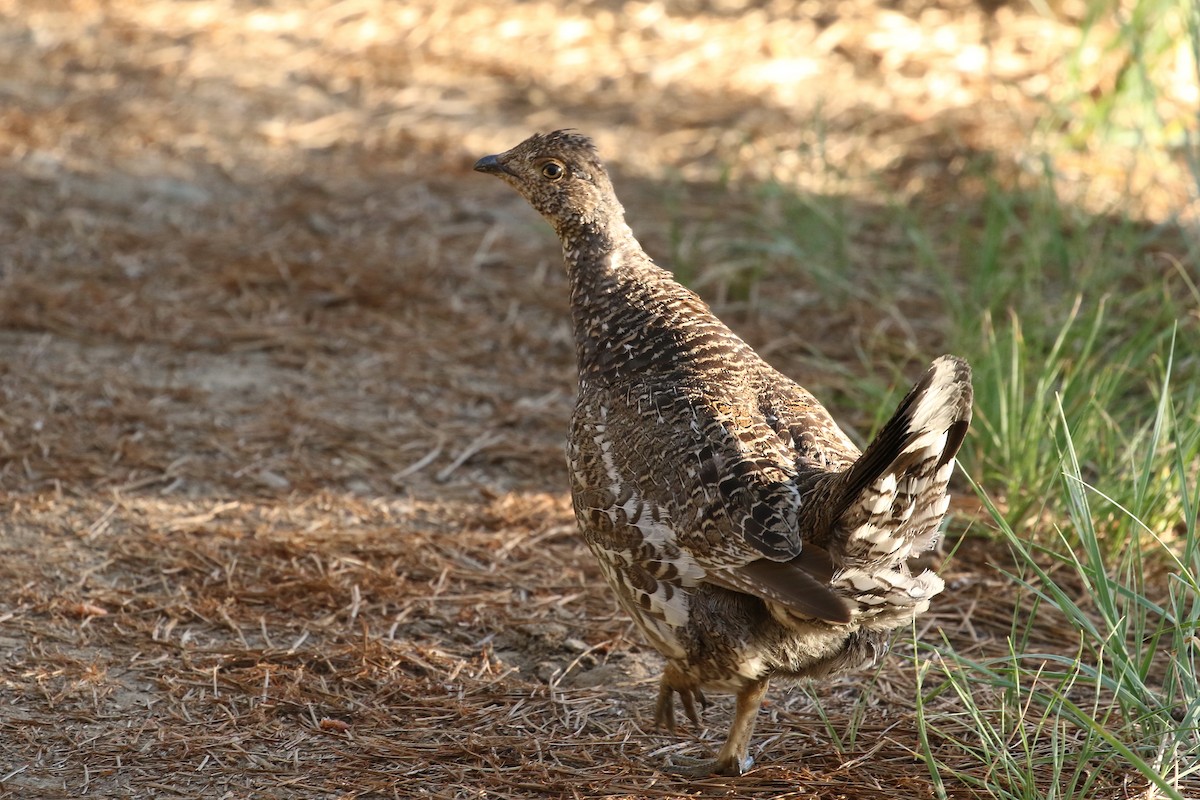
492 166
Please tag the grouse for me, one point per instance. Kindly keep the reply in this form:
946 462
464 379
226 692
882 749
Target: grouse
738 525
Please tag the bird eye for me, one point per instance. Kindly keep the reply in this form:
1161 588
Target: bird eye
553 170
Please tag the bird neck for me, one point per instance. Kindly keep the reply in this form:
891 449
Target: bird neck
630 316
605 265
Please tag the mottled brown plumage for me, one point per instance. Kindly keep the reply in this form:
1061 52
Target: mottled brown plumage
738 525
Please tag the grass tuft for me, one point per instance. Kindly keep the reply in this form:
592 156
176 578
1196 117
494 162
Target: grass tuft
1036 721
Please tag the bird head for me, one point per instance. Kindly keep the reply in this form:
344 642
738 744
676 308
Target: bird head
561 176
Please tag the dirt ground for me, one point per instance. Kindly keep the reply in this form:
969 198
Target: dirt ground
285 384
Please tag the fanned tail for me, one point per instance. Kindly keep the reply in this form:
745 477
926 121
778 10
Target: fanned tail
894 497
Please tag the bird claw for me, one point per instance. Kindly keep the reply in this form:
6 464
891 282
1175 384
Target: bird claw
705 767
689 698
664 710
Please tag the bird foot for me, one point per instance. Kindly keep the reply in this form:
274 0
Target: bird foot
705 767
664 710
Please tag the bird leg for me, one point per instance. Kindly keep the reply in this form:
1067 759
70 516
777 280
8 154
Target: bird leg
734 758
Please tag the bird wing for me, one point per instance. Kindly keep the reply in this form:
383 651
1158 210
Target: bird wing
726 472
800 584
756 499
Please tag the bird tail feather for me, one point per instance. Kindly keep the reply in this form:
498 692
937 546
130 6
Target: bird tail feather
894 496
